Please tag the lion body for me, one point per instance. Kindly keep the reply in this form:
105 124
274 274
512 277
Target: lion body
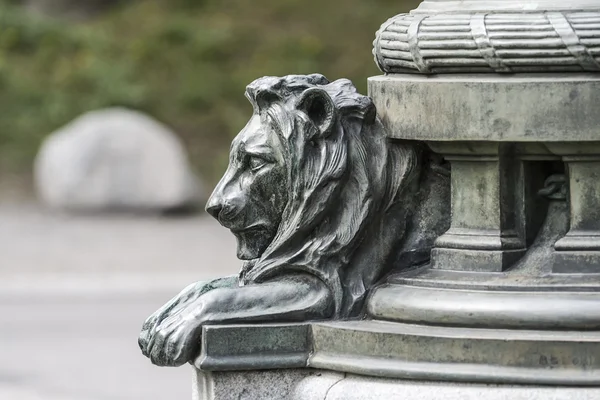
323 205
374 189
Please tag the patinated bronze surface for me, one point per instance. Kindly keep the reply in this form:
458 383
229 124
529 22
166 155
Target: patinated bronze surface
323 206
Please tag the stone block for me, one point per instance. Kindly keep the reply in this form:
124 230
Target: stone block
268 346
363 388
248 385
489 107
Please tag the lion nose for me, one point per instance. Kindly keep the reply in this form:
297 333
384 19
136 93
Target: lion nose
214 208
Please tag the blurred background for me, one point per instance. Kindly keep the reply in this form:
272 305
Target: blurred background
103 105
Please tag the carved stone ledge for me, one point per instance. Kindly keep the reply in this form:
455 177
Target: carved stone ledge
248 347
394 350
404 351
524 108
535 41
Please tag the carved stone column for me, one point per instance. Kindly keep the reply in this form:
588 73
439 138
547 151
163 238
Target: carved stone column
483 235
579 250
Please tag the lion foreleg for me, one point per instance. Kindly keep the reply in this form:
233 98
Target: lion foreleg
190 294
289 299
293 298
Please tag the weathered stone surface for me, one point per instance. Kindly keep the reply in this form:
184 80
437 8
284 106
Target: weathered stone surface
254 385
115 159
579 250
516 108
505 138
483 234
299 384
268 346
410 351
363 388
316 386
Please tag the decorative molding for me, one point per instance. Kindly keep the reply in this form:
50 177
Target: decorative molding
497 309
523 108
406 351
441 353
489 42
247 347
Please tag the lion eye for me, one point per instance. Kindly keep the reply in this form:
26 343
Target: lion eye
256 163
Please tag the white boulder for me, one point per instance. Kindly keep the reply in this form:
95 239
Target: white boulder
115 159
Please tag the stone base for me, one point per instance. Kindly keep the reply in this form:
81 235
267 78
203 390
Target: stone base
306 384
576 262
474 260
248 385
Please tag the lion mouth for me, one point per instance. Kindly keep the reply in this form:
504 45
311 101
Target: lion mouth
248 229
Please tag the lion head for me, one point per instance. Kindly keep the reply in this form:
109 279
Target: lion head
309 185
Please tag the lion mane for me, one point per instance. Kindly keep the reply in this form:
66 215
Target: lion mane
349 203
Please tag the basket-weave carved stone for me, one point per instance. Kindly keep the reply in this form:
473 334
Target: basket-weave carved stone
553 41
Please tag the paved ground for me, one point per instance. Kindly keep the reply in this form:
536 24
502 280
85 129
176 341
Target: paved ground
75 290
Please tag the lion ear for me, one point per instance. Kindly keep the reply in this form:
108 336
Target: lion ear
319 107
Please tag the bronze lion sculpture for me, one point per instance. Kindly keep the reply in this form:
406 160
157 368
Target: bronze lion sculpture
322 205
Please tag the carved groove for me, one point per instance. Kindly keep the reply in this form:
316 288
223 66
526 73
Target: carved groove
413 44
482 39
507 42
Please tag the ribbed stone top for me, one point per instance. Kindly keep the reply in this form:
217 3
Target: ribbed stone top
443 36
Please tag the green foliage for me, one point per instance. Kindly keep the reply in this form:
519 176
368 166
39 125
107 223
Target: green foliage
186 62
